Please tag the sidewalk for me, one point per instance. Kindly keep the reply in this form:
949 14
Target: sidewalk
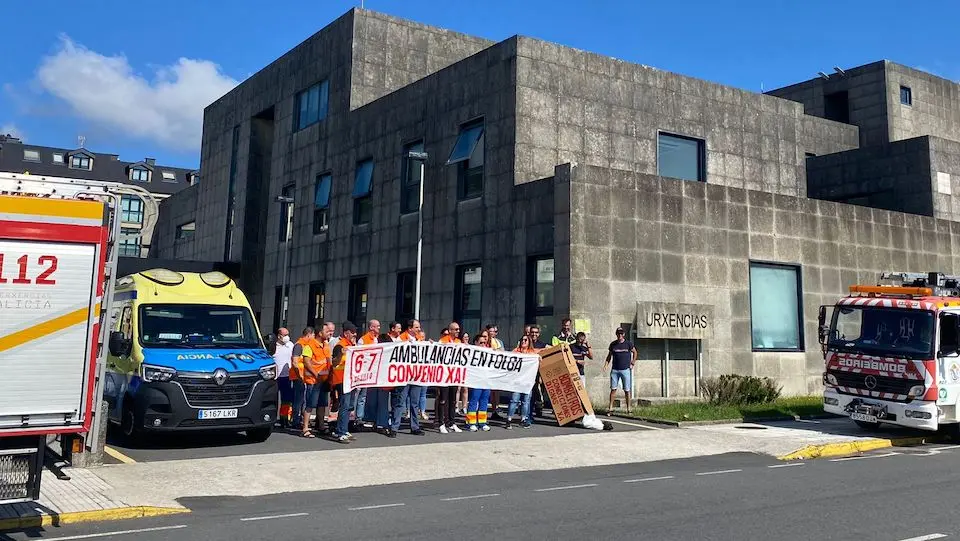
84 498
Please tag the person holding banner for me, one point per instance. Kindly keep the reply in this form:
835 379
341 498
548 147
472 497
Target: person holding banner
479 398
497 345
347 339
447 396
414 333
515 400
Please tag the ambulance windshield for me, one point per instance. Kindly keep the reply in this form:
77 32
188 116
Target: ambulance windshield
889 332
197 326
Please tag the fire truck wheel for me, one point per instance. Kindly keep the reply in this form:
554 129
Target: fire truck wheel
867 426
259 435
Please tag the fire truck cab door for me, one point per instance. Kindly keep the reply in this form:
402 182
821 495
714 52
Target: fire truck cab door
948 359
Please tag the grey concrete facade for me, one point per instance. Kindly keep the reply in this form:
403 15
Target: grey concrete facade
571 164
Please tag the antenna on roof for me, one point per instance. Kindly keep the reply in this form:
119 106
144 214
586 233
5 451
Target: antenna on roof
840 71
823 75
81 140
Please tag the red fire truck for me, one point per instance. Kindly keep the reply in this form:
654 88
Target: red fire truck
892 352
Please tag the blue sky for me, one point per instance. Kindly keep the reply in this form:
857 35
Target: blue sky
134 80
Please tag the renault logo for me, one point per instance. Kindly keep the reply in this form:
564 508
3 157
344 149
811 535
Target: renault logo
220 376
870 382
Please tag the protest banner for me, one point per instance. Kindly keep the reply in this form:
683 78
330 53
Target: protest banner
558 371
432 364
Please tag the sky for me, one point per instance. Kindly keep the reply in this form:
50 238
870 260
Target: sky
133 78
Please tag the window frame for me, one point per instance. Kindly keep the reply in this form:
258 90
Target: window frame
363 200
285 225
463 163
31 160
534 312
179 234
410 180
314 319
61 160
80 166
303 119
279 314
172 178
127 213
798 272
361 305
701 155
134 174
321 212
125 245
906 92
403 276
460 314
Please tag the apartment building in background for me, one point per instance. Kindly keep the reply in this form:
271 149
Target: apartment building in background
17 156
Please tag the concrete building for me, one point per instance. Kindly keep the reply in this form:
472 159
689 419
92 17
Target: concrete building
80 163
558 182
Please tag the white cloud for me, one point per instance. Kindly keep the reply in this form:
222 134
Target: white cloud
11 129
167 108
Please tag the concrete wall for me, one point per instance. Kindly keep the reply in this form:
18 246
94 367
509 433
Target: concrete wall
176 210
575 106
945 169
638 237
935 109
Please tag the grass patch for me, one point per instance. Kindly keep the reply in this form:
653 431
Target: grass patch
700 411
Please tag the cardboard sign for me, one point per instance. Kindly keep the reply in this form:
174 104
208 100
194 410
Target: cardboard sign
558 371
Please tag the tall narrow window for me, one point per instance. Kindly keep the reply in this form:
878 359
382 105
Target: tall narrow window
406 290
468 155
776 310
316 304
311 105
131 209
286 215
357 301
363 193
411 174
130 247
466 307
540 293
231 193
321 203
681 157
906 95
280 308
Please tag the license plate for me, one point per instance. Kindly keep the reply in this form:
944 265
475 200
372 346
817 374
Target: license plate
217 414
863 417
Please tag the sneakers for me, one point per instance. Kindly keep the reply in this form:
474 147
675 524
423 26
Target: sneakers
526 424
455 428
485 428
508 425
349 436
343 439
424 416
473 428
443 429
390 433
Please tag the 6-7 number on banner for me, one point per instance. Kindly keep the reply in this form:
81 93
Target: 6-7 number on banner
363 365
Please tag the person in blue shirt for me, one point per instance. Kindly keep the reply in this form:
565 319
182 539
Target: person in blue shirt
624 356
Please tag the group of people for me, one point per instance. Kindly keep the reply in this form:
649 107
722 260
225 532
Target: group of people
311 371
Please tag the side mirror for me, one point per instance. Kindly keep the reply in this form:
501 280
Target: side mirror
119 346
823 330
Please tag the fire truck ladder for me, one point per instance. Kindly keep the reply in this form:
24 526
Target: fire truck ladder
111 193
942 285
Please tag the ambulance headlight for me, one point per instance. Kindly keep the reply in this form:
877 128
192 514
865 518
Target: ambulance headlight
268 372
157 373
916 390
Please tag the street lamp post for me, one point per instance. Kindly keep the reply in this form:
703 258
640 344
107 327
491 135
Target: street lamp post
422 158
288 237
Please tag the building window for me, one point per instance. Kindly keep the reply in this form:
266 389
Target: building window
31 155
58 158
321 203
406 295
231 194
540 292
169 176
681 157
131 209
363 193
130 247
776 317
80 162
316 304
312 105
836 106
357 301
466 301
140 174
280 308
410 175
468 155
186 231
285 229
906 95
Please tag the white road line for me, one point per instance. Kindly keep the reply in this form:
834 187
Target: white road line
926 537
567 487
364 508
649 479
718 472
459 498
289 515
885 455
120 532
648 427
790 465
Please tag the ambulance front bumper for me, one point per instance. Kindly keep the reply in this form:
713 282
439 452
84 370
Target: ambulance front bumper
165 407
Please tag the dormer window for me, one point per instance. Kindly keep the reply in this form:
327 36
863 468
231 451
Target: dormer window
139 174
81 161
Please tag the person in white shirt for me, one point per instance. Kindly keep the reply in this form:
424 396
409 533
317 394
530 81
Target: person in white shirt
282 358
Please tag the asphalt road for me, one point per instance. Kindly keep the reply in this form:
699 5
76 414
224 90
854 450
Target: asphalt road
188 446
900 495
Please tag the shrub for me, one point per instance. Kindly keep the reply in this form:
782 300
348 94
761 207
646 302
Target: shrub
736 390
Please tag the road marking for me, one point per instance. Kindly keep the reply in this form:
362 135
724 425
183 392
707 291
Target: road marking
932 451
364 508
120 532
926 537
567 487
649 479
289 515
457 499
885 455
118 455
718 472
788 465
648 427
